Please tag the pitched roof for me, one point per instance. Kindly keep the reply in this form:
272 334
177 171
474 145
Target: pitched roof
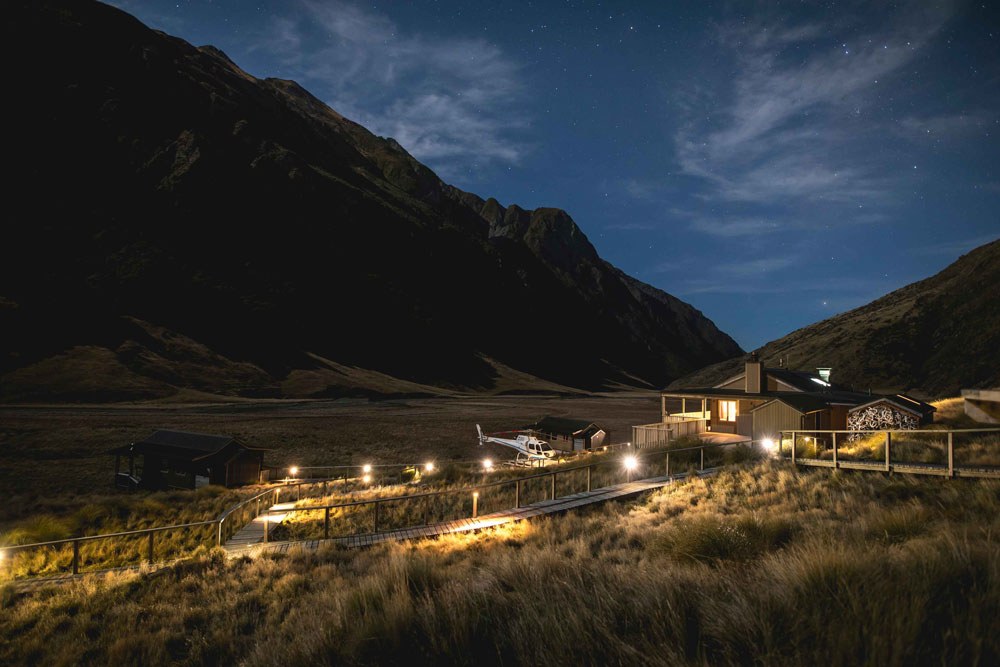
801 401
901 401
182 445
800 380
202 442
562 425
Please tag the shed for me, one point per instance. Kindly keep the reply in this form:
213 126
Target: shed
571 435
890 412
183 460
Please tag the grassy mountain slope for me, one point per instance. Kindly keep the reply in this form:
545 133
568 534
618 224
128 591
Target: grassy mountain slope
934 337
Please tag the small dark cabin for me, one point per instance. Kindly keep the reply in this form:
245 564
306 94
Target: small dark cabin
181 460
570 435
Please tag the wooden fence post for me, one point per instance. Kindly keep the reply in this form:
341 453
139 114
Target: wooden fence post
836 464
375 518
668 464
517 494
76 556
552 491
326 524
951 455
590 474
888 442
793 447
702 450
475 504
267 523
218 541
151 548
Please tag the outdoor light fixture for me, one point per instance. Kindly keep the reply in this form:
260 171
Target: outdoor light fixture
630 463
366 479
429 466
293 471
487 464
366 468
768 444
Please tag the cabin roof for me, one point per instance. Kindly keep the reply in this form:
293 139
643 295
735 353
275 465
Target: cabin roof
563 426
183 445
901 401
800 401
800 380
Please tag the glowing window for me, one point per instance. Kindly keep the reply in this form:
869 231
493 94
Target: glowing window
727 411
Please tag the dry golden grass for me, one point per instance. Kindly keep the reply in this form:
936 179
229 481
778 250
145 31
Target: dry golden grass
762 565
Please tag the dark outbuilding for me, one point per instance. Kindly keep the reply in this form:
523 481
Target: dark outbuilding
182 460
569 434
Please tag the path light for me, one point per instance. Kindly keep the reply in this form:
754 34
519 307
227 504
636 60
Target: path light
769 445
367 479
293 471
487 464
429 466
366 468
630 463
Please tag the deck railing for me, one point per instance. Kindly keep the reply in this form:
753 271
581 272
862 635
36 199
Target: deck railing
654 436
941 452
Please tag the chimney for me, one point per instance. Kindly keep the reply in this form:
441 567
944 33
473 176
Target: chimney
754 374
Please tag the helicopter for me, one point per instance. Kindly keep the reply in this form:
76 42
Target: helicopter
530 450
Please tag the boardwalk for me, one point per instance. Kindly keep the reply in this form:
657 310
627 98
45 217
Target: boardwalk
244 545
253 532
250 540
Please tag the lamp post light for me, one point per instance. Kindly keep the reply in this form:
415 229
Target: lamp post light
429 467
630 463
487 465
293 471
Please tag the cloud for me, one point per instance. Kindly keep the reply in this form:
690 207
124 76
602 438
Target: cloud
789 130
451 101
962 125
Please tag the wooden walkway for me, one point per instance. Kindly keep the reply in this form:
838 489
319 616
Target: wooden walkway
562 504
249 540
253 532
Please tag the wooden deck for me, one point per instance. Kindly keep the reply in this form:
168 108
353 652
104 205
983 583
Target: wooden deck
562 504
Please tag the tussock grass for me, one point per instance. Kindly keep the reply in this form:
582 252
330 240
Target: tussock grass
760 565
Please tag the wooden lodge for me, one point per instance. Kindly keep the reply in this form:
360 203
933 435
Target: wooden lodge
569 435
182 460
760 402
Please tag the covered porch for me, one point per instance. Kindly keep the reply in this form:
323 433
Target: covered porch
723 410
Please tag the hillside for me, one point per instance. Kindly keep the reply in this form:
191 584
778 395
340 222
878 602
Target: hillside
933 337
175 222
755 566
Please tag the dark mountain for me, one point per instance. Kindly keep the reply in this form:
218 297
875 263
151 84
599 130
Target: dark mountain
172 221
933 337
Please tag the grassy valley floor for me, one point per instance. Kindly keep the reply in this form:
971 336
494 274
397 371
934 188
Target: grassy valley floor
759 565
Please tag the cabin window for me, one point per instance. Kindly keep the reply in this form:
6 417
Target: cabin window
727 411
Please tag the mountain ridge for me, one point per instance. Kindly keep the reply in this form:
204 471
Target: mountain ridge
162 188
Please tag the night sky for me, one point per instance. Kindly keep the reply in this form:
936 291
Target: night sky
772 164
